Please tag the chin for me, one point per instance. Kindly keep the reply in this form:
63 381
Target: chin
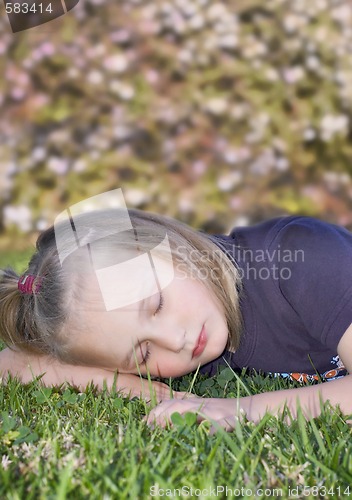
174 374
181 373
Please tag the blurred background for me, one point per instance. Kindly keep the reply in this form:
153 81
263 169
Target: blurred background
216 113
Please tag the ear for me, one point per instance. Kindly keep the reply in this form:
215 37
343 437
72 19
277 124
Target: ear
344 348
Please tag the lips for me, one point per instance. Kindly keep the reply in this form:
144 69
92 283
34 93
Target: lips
201 343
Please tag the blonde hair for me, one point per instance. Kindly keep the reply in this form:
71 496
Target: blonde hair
36 322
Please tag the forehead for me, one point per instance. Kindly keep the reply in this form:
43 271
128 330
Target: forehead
133 280
130 278
123 265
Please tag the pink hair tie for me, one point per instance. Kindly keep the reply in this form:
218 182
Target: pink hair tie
29 283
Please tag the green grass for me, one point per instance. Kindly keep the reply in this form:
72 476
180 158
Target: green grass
58 443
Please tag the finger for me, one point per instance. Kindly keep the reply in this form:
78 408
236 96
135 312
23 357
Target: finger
222 425
184 395
189 395
154 416
163 420
161 414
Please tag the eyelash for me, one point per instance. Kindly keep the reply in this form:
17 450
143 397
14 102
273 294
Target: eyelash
146 356
147 352
161 305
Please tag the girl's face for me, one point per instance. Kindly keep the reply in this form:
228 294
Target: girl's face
168 334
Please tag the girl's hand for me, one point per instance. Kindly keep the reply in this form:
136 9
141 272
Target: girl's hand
223 412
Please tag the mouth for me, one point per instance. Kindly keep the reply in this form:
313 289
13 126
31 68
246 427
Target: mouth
201 343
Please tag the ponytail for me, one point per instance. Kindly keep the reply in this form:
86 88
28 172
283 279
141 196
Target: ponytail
33 321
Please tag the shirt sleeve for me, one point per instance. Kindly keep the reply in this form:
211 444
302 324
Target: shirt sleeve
315 276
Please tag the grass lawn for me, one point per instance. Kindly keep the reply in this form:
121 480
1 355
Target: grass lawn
59 443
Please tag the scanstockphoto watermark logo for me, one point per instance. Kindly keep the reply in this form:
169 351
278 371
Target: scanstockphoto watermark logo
269 263
261 264
130 279
26 14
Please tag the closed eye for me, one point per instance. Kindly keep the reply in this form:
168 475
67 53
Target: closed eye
161 304
145 356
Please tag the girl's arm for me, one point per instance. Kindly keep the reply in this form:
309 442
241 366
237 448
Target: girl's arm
337 392
309 399
27 366
226 412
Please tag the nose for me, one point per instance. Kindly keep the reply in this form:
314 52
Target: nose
170 338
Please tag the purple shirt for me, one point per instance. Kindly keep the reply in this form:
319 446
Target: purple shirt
297 296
